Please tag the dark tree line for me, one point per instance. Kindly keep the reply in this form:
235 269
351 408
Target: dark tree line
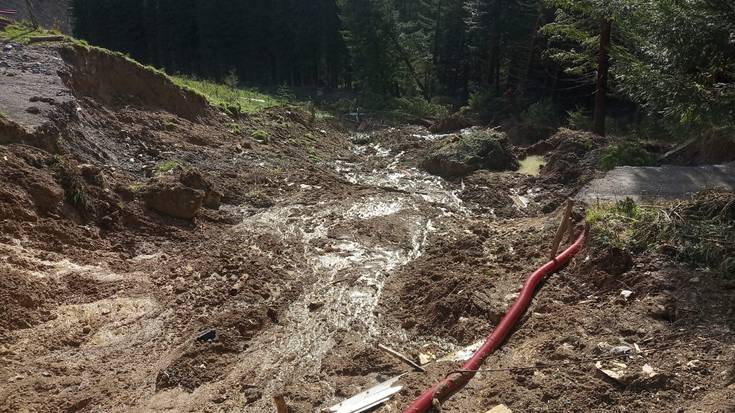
266 42
672 59
389 47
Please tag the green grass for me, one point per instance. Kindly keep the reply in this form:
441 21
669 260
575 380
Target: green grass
166 167
699 231
23 32
136 187
260 135
67 174
240 99
234 128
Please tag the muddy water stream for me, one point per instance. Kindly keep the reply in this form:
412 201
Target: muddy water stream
346 268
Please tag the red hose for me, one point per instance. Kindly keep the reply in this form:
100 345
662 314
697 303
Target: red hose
458 379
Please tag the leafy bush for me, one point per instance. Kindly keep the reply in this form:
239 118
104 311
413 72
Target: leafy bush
420 108
628 152
485 102
541 114
579 119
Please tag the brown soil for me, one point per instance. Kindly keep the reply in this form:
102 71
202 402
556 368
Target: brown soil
320 250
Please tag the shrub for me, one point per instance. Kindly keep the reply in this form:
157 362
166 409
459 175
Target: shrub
485 102
699 231
166 167
579 119
628 152
68 175
260 135
420 108
541 114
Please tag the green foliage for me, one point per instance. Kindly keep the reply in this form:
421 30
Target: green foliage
579 119
674 58
628 152
486 103
137 187
234 128
260 135
225 96
166 167
67 174
541 114
420 108
699 231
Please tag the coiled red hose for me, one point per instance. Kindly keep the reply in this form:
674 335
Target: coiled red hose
458 379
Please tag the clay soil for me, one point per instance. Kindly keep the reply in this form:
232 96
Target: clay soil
327 243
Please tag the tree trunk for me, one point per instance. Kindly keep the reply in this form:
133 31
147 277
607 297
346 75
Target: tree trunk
603 65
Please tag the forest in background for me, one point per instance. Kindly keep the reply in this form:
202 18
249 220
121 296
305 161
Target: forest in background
671 62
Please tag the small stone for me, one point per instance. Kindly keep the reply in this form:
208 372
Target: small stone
501 408
648 371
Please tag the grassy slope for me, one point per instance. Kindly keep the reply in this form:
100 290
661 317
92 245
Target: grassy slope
217 94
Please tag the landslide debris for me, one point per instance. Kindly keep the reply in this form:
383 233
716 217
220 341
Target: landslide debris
470 151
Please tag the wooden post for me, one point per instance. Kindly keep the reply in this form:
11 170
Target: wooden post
562 229
280 402
603 66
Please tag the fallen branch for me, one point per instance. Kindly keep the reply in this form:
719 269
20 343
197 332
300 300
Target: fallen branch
401 357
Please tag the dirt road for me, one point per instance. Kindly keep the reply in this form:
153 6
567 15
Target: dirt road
658 183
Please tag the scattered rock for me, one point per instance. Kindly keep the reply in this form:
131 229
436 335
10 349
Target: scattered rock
208 335
252 394
194 179
173 199
33 110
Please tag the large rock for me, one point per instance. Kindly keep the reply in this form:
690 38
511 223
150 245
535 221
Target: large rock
173 198
466 153
194 179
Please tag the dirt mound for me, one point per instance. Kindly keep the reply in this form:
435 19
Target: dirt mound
571 156
715 148
452 123
26 301
115 80
459 289
468 152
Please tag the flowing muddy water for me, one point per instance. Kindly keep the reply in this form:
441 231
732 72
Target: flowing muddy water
351 245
